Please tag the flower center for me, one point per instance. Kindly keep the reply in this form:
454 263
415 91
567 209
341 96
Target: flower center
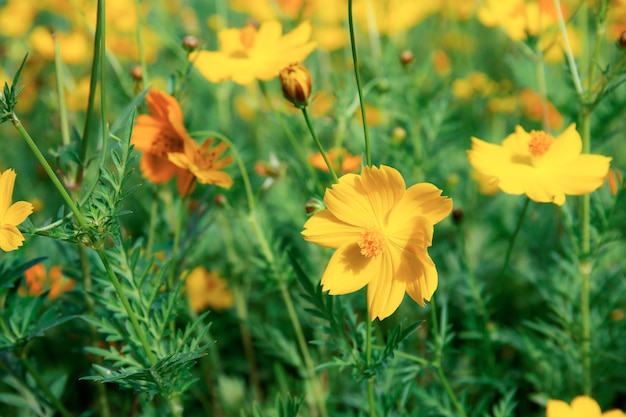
372 242
247 36
164 143
539 143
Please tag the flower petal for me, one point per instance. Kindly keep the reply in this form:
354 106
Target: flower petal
158 170
558 408
385 292
420 200
425 280
567 145
324 229
583 406
349 271
10 237
17 213
7 181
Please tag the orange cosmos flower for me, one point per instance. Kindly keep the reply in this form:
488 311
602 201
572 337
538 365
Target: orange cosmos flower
158 134
11 214
340 158
249 54
381 231
39 280
541 166
582 406
203 162
207 290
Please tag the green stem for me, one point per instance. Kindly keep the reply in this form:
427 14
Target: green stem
371 397
58 69
176 243
43 386
543 91
439 343
153 221
568 51
248 347
142 54
305 113
518 227
318 394
585 267
93 85
357 74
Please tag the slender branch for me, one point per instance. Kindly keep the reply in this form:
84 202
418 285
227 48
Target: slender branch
518 227
305 113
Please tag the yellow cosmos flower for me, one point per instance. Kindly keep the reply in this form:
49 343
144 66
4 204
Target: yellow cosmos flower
203 162
11 214
381 231
582 406
207 290
541 166
249 54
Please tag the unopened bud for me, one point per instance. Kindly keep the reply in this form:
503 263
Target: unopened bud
617 314
622 40
457 215
398 134
136 72
220 200
313 205
295 80
406 57
190 43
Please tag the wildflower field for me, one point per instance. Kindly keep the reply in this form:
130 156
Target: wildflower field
315 208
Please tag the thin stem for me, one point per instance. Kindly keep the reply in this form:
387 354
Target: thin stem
543 91
308 361
357 74
93 85
371 397
586 266
439 343
142 54
58 69
568 51
43 386
153 221
518 227
176 243
246 338
305 113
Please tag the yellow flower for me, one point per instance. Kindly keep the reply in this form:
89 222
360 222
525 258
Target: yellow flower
381 231
11 214
207 289
249 54
394 16
582 406
541 166
295 80
38 281
203 162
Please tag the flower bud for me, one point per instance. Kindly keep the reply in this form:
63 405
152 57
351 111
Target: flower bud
398 134
190 43
313 205
622 40
457 216
136 72
406 57
220 200
296 83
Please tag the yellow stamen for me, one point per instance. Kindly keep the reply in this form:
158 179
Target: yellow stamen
372 242
539 143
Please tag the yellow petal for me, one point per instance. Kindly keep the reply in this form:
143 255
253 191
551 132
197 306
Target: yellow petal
558 408
487 158
349 271
324 229
384 291
10 237
17 213
347 200
584 174
300 35
413 234
613 413
269 33
583 406
7 181
425 279
420 200
568 145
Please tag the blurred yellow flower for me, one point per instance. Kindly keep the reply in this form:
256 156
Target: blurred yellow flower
582 406
393 16
207 289
39 280
11 214
249 54
533 108
341 160
381 231
75 48
544 168
519 18
16 17
204 162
